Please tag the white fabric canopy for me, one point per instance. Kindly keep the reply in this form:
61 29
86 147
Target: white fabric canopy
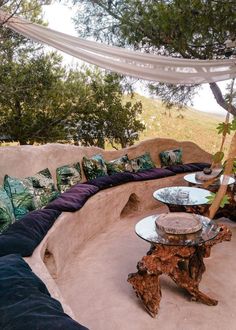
127 62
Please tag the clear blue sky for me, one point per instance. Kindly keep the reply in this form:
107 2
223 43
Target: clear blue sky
59 18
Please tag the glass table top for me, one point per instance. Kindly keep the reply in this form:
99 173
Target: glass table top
146 229
192 179
182 195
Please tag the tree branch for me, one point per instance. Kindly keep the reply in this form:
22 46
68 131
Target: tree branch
109 11
220 99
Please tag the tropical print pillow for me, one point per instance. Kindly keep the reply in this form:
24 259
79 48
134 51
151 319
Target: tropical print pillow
171 157
7 216
119 165
67 176
31 193
94 167
143 162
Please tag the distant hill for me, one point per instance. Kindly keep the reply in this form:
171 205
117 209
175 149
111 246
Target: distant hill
186 125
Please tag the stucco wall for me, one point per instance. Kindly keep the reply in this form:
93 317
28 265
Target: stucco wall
23 161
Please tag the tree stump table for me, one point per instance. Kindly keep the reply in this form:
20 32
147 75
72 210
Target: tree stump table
181 260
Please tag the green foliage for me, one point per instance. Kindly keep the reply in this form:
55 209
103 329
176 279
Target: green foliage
41 102
28 80
102 115
191 29
224 201
32 99
233 125
234 167
195 29
224 128
218 157
12 44
30 9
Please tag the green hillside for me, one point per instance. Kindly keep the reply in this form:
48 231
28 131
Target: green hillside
196 126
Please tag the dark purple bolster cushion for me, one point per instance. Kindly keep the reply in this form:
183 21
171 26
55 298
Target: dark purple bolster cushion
108 181
24 235
190 167
74 198
25 302
154 173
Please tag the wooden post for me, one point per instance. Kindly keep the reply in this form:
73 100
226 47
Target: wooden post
223 187
229 164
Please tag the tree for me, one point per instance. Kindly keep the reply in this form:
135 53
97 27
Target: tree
30 82
12 42
192 29
40 101
33 105
101 115
30 9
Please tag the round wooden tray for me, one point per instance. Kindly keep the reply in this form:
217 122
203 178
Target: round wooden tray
178 223
201 176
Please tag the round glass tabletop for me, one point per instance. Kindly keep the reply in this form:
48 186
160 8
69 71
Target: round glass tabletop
182 195
146 229
191 178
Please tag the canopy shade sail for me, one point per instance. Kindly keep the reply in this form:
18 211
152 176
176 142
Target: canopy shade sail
126 62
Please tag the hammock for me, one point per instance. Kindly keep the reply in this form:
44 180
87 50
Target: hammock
126 62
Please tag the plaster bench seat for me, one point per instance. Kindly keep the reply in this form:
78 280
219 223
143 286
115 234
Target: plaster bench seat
90 273
113 207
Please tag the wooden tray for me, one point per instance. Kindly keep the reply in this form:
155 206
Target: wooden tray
205 177
178 223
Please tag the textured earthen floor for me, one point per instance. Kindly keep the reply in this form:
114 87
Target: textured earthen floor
94 283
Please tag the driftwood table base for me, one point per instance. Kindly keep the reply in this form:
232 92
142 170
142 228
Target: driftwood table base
184 265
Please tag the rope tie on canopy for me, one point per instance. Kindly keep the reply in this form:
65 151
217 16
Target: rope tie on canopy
124 61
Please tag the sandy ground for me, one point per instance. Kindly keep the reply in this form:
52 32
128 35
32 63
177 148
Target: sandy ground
94 283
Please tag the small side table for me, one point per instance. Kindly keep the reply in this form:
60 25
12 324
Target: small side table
192 181
184 199
183 263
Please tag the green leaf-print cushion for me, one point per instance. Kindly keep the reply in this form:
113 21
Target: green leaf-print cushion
94 167
31 193
7 216
118 165
143 162
67 176
171 157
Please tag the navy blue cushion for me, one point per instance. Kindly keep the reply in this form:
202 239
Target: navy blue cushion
74 198
25 234
154 173
25 302
104 182
190 167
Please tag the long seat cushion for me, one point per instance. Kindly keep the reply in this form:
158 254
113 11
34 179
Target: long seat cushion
74 198
190 167
108 181
24 235
120 178
154 173
25 302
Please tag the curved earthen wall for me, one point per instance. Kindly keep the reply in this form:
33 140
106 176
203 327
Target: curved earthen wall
23 161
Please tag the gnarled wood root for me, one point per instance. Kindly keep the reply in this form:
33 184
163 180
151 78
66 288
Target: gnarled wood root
184 265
